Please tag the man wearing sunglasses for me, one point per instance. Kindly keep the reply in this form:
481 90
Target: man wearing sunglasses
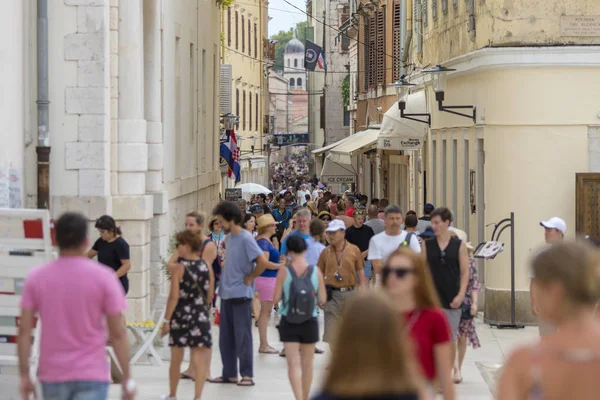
448 260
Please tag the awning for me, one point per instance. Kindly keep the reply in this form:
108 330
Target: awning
355 144
328 147
334 172
400 133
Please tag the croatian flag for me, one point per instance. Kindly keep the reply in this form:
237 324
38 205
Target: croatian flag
321 61
231 154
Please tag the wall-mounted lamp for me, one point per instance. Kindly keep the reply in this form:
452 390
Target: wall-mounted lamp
439 82
402 87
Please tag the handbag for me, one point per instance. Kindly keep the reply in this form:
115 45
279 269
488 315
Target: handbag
466 312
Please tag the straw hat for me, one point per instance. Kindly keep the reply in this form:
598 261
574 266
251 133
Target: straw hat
462 235
265 221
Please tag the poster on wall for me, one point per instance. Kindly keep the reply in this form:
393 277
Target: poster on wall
14 188
4 188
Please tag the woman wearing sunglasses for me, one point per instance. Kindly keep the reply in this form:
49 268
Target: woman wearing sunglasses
407 279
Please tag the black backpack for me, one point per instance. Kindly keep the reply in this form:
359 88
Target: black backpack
302 297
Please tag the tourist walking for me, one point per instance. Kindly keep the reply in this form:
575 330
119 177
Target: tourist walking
217 235
370 366
265 283
243 263
385 243
407 279
383 204
112 250
194 222
425 221
373 221
360 235
300 288
77 299
187 317
250 224
282 217
565 364
342 265
326 217
302 229
316 243
448 261
467 334
554 233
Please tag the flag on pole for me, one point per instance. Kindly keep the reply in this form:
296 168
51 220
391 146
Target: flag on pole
231 154
273 41
314 56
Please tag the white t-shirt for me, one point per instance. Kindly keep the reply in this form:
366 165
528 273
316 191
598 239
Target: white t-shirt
315 194
382 245
302 196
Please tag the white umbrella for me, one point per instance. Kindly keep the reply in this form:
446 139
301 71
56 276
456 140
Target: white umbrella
253 188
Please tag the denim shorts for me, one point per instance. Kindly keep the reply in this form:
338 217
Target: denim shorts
78 390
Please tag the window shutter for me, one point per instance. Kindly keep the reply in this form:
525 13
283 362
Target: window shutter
237 102
229 26
425 9
372 51
255 41
249 111
434 9
396 56
225 89
381 47
243 109
237 30
256 112
445 7
249 38
345 42
454 3
365 71
243 35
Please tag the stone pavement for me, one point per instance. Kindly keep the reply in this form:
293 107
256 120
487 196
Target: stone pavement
479 371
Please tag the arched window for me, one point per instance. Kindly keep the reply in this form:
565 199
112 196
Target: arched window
288 62
295 62
291 82
299 82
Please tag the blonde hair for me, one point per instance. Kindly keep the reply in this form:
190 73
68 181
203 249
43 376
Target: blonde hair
199 216
425 294
575 266
370 352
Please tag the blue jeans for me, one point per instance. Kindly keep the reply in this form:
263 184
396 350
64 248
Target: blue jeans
77 390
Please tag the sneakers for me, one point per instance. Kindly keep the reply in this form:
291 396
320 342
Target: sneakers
167 397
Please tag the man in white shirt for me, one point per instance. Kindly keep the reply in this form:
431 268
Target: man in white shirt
554 232
385 243
302 195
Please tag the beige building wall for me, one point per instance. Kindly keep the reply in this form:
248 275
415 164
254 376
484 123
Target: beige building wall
133 123
243 30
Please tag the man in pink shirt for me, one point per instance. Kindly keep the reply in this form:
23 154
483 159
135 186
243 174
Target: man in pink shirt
75 298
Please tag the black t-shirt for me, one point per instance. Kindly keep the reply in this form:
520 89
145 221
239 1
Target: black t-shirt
360 237
111 254
445 270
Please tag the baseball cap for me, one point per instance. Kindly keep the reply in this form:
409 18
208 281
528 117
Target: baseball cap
555 223
256 208
336 225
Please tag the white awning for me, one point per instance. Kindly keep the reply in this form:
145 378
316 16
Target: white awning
328 147
334 172
355 144
398 133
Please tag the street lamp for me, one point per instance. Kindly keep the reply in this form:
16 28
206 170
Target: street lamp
253 138
402 88
439 84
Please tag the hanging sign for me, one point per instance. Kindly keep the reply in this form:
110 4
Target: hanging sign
331 179
399 143
234 194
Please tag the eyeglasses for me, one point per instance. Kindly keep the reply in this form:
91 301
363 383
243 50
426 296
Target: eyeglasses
361 212
326 219
400 272
443 257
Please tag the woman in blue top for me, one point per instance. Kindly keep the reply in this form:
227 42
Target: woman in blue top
265 283
299 339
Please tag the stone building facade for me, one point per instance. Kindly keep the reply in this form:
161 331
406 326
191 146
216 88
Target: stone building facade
133 130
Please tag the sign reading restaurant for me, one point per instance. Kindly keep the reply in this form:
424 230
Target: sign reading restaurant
338 179
399 143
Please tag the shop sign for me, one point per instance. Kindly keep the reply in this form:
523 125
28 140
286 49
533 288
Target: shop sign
331 179
585 25
234 194
399 143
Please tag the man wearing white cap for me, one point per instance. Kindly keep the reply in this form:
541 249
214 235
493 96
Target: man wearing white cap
340 264
554 232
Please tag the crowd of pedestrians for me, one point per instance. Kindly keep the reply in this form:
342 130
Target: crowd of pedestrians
305 252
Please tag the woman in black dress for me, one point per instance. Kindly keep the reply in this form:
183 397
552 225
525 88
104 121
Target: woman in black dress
187 315
112 250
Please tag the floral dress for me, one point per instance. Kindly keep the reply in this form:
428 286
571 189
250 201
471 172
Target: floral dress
190 324
467 326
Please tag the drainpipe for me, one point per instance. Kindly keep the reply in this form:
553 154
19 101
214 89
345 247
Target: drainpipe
43 102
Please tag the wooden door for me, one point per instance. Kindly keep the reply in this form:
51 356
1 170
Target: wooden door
587 200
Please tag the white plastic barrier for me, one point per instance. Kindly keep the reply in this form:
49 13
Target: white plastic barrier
18 256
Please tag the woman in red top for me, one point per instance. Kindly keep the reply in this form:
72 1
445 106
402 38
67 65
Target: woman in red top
407 279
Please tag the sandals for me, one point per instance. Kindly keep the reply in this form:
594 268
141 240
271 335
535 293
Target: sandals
319 351
246 382
223 380
458 378
185 376
268 350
